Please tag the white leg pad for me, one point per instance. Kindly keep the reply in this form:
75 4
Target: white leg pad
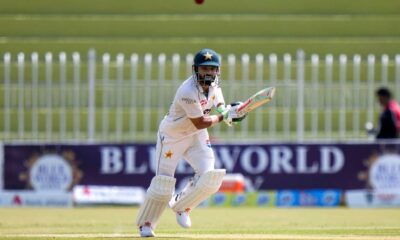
207 184
157 197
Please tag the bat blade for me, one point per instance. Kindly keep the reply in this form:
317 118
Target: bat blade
256 100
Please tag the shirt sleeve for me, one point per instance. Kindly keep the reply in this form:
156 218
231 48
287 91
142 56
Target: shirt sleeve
190 104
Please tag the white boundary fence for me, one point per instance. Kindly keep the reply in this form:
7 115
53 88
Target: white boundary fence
123 98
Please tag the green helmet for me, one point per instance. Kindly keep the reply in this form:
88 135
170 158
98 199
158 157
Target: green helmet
206 57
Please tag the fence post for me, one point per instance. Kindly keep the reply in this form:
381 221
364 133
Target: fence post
92 95
259 84
35 95
287 100
7 89
21 93
370 96
176 59
77 77
244 126
356 92
161 86
119 95
315 94
189 60
49 93
231 80
384 67
105 99
328 93
147 98
300 95
63 63
133 115
342 88
273 61
189 64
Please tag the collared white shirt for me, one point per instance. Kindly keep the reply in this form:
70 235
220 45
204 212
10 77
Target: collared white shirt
189 102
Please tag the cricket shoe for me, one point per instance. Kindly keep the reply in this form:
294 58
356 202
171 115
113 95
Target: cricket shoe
183 219
146 231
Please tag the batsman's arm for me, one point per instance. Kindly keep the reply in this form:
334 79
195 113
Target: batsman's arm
207 121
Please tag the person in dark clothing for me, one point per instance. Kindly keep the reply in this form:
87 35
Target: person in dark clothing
389 119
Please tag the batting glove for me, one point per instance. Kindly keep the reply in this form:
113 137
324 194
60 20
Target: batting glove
237 117
230 114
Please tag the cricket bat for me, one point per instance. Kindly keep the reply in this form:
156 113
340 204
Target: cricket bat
258 99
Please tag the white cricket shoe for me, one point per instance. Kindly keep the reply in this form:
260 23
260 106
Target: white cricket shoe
146 231
183 219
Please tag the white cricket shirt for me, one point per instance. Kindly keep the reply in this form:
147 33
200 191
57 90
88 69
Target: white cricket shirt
189 102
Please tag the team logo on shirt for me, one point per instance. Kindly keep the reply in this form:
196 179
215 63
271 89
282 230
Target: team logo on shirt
168 154
203 102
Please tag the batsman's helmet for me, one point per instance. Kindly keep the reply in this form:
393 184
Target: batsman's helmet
206 57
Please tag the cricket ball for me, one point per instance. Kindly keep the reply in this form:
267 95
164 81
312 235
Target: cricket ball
199 1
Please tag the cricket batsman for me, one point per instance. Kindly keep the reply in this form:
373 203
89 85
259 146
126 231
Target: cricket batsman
183 135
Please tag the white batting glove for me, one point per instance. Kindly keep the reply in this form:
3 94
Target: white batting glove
234 116
229 113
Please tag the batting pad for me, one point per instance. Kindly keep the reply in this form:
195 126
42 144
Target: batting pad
207 184
157 197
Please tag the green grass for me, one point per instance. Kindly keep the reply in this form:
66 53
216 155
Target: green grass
183 26
208 223
132 7
209 7
180 26
265 45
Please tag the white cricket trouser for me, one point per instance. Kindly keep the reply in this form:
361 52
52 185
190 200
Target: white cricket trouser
195 150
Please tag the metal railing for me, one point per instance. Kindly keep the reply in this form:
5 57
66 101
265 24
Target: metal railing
123 98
